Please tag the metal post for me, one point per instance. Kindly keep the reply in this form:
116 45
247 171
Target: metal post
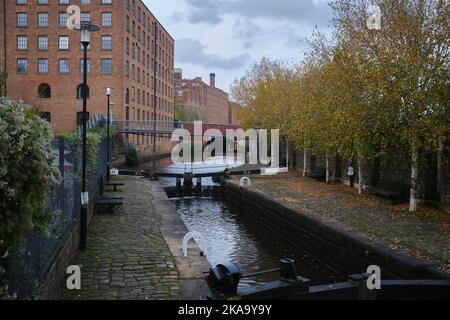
155 99
84 205
108 155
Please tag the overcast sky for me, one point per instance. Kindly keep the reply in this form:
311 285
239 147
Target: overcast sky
227 36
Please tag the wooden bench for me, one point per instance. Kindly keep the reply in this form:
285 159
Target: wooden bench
115 185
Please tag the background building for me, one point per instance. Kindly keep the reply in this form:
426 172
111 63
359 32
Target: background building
132 52
234 113
196 100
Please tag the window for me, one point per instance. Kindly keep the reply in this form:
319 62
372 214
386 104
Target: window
21 19
22 65
106 43
43 66
44 91
63 43
64 1
42 2
22 43
46 116
85 2
80 92
106 65
80 118
63 16
42 19
82 65
63 65
106 19
85 16
43 43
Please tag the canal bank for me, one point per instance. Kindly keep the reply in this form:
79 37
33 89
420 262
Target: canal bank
135 252
312 220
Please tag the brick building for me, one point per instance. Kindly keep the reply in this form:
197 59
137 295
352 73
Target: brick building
132 52
234 113
196 100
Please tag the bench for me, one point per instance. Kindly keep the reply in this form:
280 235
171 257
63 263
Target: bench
115 185
110 202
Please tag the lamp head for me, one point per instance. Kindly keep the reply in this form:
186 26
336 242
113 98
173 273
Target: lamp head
86 28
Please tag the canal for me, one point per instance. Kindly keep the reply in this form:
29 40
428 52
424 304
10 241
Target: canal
227 236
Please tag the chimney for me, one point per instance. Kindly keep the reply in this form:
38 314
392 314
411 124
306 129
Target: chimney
212 81
178 74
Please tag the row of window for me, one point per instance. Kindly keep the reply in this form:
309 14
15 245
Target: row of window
146 99
43 19
145 20
63 66
45 91
63 43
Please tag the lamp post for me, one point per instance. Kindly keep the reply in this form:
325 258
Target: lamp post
108 120
86 28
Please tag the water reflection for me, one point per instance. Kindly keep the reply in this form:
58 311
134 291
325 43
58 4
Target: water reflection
228 237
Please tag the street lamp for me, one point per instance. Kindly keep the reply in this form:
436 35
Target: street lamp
108 120
86 28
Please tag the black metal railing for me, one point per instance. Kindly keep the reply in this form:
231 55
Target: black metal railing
25 276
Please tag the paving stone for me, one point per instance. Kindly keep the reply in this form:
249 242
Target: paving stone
127 257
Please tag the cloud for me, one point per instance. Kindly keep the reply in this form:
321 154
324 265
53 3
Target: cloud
193 51
245 28
311 12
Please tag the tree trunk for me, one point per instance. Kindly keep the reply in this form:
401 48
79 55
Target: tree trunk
327 169
287 153
305 159
439 178
414 176
360 176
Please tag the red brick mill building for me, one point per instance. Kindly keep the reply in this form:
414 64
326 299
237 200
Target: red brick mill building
201 101
132 52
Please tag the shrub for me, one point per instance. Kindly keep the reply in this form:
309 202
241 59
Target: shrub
132 157
27 175
93 148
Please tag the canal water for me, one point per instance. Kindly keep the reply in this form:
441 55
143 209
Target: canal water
227 236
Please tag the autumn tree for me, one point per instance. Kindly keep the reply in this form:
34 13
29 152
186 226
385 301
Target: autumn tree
411 56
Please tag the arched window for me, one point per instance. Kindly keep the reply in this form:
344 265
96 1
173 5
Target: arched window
80 92
44 91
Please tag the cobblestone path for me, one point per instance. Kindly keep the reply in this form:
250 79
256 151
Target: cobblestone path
424 234
127 257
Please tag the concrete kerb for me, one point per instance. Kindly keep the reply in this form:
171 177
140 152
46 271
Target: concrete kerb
191 268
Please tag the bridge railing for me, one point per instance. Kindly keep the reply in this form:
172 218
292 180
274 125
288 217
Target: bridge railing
149 126
144 126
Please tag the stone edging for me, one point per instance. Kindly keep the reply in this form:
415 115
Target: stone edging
191 269
337 242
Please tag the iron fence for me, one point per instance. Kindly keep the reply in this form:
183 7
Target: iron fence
64 201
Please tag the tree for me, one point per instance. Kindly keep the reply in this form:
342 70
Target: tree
411 54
